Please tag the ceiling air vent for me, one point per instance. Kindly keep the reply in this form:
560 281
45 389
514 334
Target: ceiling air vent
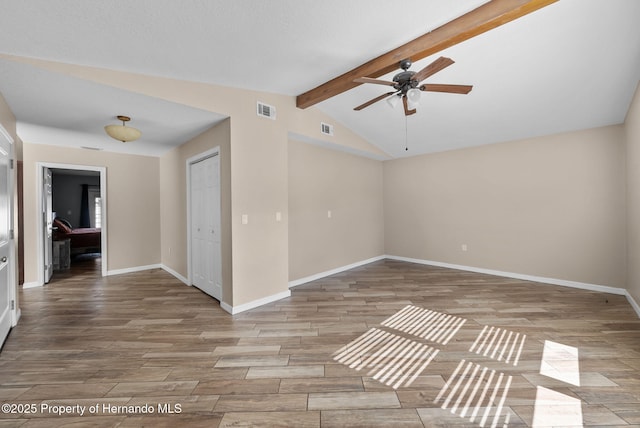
265 110
326 129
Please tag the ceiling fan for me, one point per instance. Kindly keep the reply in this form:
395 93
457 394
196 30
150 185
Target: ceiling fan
407 87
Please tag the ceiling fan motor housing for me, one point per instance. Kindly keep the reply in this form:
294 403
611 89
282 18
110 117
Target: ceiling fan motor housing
404 81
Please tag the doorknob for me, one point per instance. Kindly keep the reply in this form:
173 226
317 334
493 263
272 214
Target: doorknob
3 260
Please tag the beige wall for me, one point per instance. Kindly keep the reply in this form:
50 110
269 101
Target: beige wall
550 207
351 188
173 202
133 219
632 127
259 170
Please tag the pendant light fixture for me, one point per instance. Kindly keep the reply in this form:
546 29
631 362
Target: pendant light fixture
122 132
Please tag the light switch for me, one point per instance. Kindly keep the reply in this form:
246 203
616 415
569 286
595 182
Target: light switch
329 214
245 219
278 216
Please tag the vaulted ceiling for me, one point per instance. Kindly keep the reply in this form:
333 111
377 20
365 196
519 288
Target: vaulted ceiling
571 65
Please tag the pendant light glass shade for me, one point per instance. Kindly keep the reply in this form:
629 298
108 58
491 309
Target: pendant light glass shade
393 100
413 98
122 132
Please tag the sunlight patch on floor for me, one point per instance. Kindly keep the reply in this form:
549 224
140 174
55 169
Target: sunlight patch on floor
554 409
495 343
477 393
430 325
393 360
560 362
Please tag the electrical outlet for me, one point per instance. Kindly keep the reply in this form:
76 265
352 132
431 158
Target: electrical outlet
464 247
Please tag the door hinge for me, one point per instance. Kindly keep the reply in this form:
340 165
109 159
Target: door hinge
13 304
11 234
11 163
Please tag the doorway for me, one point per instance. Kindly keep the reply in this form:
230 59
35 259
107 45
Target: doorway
74 223
204 234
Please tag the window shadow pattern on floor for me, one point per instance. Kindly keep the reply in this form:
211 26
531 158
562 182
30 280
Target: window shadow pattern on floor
394 355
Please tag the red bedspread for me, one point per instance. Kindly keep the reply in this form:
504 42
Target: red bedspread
89 237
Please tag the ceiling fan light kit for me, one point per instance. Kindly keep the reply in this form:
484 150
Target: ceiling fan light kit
122 132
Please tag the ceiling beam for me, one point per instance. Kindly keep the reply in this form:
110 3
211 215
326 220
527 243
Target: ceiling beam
486 17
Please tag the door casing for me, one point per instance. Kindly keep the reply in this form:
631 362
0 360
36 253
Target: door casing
40 166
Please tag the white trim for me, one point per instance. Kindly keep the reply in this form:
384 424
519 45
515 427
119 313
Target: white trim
175 274
149 267
133 269
32 284
6 135
38 226
633 303
255 303
12 277
227 307
542 279
193 159
324 274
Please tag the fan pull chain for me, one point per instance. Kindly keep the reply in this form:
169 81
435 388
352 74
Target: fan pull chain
406 133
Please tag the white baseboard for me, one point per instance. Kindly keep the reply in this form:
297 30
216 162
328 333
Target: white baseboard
324 274
544 280
255 303
32 284
18 314
227 307
175 274
633 303
133 269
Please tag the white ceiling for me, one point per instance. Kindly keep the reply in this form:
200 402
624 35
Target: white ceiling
572 65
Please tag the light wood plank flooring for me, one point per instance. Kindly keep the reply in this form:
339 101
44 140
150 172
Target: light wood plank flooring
387 344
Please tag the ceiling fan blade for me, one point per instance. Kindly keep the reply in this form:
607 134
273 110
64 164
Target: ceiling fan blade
407 112
374 100
452 89
431 69
376 81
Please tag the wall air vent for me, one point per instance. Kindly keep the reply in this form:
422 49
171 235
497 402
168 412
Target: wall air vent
326 129
265 110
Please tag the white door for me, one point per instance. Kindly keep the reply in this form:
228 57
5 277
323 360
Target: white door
47 223
5 238
206 266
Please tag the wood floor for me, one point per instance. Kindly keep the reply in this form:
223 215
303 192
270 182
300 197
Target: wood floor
387 344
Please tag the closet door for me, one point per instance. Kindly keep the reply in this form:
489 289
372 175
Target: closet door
205 226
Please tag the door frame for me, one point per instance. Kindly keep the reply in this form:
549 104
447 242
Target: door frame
14 312
189 162
40 166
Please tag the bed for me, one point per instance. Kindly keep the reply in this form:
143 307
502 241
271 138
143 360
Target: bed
83 240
